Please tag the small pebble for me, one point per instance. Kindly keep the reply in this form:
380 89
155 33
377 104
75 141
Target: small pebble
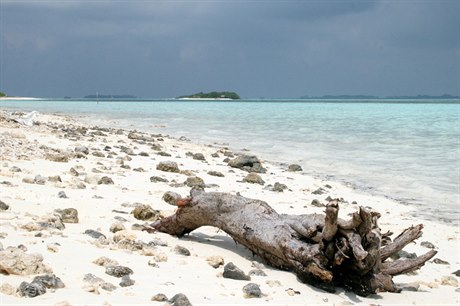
252 290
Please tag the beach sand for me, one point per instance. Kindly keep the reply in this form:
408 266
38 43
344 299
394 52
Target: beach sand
35 168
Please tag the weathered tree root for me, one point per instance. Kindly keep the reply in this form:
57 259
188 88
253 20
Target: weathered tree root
323 250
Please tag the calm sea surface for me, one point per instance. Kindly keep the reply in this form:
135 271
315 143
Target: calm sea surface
406 150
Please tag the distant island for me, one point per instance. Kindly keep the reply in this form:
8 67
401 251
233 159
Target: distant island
110 97
217 95
342 97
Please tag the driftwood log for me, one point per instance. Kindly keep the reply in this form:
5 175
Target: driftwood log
322 249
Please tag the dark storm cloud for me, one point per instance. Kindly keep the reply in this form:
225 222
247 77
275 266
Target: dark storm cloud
258 48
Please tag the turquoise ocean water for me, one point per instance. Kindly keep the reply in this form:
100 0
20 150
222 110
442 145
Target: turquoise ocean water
408 150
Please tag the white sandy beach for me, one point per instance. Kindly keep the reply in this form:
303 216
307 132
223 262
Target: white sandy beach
25 153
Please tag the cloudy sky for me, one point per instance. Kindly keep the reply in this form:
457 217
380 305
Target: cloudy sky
271 48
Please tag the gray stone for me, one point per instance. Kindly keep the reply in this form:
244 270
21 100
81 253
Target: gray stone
31 289
156 179
82 149
145 212
249 163
194 181
181 250
74 172
278 187
68 215
118 271
198 156
457 273
105 261
165 154
317 203
40 180
319 191
233 272
105 180
3 205
94 234
62 195
108 286
145 154
116 227
168 166
252 290
171 197
427 244
409 287
160 297
98 154
440 261
50 281
294 168
126 281
257 272
156 147
92 279
179 300
253 178
15 169
55 179
215 173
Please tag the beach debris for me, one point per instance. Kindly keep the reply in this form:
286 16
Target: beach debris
168 166
68 215
215 261
233 272
292 292
216 173
14 260
252 290
3 205
254 178
94 234
194 181
249 163
118 271
181 250
28 119
179 299
294 168
339 252
146 212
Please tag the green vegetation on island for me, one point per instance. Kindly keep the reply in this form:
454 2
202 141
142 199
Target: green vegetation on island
2 94
213 95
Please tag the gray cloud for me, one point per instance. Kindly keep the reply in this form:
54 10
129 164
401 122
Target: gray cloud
258 48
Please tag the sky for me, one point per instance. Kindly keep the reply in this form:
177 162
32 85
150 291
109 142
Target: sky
257 48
